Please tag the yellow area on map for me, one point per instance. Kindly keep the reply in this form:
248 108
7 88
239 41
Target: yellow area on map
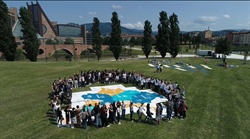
92 102
110 92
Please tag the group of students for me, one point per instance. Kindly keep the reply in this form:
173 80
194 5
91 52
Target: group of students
101 115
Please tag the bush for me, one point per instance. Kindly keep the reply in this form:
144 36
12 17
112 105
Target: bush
19 54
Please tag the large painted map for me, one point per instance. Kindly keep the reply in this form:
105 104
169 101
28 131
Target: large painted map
114 93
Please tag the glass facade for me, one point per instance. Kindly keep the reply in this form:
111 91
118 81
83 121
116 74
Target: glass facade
17 30
69 31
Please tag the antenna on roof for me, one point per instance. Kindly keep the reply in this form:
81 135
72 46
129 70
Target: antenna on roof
208 27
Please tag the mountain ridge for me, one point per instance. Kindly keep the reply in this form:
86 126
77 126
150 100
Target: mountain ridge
105 28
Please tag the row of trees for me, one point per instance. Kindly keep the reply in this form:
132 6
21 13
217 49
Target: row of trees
8 44
59 41
167 39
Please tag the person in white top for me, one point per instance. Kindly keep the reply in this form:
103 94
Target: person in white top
139 112
123 110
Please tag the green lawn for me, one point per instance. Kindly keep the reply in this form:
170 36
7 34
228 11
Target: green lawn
218 101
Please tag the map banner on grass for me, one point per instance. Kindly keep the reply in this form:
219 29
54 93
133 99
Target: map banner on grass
113 93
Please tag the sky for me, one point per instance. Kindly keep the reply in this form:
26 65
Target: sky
192 15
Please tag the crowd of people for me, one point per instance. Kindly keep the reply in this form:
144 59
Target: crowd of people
102 115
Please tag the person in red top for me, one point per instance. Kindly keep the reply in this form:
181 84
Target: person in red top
104 116
183 109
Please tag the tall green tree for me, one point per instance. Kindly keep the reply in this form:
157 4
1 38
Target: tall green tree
162 38
174 35
96 41
147 38
132 41
115 43
7 40
223 46
31 42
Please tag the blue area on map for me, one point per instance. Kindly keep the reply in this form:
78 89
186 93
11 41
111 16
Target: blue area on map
128 95
173 67
200 68
145 97
125 95
188 68
104 97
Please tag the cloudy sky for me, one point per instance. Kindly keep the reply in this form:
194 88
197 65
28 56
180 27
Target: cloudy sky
192 16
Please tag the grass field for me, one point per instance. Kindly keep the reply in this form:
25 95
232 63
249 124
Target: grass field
218 101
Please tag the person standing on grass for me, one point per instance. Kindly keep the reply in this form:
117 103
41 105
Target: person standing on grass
149 115
78 115
104 116
98 116
111 113
56 108
67 115
183 109
123 110
84 116
131 111
114 112
140 109
118 104
161 109
158 114
60 117
73 117
169 111
89 115
176 105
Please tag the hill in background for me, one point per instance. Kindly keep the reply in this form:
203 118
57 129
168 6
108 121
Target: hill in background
105 28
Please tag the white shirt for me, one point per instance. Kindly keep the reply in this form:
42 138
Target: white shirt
118 110
123 106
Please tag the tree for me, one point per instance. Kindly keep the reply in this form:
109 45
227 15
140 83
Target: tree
132 42
59 41
96 41
125 42
138 41
223 46
115 44
7 40
19 54
31 42
50 41
162 38
147 38
69 41
174 35
105 40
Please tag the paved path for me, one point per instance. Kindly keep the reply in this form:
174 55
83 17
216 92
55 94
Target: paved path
232 56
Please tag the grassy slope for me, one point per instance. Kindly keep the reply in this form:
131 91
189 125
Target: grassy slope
218 101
